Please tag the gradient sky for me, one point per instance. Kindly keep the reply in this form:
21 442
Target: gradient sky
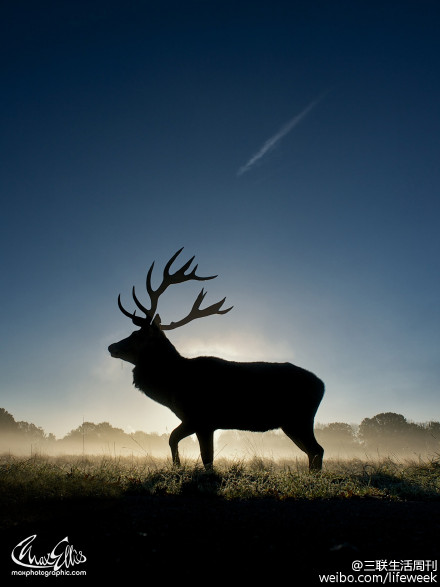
293 147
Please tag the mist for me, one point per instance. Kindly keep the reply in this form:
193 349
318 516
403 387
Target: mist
384 435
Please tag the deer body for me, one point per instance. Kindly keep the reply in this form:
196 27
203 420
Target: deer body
209 393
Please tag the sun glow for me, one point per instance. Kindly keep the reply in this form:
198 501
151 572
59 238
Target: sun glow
241 346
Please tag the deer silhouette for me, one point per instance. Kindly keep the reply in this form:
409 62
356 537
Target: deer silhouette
209 393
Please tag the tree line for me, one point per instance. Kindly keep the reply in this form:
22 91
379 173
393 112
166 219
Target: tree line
383 434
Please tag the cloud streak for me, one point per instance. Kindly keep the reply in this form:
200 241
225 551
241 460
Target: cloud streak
271 143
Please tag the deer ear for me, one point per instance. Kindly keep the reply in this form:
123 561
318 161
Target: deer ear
157 320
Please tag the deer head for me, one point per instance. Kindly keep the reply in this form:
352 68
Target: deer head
151 332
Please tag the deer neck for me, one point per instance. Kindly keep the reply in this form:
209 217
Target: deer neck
158 371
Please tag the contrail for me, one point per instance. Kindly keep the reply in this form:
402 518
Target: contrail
270 143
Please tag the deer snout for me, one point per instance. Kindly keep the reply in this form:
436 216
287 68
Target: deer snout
112 349
120 351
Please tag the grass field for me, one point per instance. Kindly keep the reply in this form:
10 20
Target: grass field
245 518
67 477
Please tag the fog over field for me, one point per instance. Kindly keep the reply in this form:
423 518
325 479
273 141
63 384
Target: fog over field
384 435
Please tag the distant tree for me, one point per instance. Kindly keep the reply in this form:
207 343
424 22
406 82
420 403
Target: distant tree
338 437
386 431
20 429
7 422
431 436
96 432
148 443
382 424
30 431
338 431
433 428
341 430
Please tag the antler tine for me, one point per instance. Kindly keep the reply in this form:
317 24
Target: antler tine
135 319
196 312
168 279
179 276
123 310
154 294
171 261
193 275
139 305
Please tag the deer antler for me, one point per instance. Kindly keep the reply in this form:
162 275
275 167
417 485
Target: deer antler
196 312
168 279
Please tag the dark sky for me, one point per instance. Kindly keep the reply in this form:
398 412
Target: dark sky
293 147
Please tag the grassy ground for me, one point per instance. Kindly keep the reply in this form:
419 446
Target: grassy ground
241 521
73 477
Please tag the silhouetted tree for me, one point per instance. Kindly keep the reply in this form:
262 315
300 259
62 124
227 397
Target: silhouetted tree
32 432
387 431
433 428
338 436
96 433
382 424
7 422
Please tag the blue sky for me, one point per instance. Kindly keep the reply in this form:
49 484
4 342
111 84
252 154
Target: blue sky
293 147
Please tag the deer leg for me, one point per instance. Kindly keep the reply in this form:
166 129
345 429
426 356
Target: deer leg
178 434
206 441
304 438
